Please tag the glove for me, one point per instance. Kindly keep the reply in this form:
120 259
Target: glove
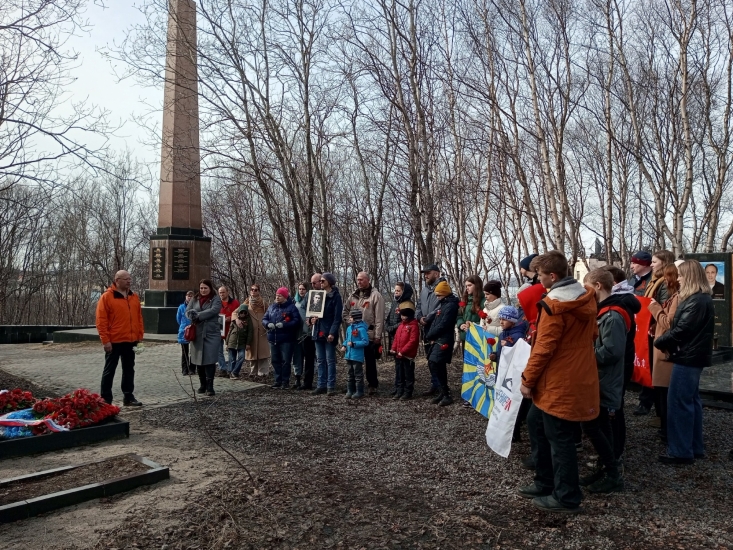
279 325
193 315
270 326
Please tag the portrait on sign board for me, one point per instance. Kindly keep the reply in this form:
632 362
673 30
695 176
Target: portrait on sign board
715 275
316 299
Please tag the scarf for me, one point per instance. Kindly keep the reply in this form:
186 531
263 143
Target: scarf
256 305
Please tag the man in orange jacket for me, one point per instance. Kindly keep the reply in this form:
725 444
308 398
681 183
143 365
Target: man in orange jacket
120 327
562 379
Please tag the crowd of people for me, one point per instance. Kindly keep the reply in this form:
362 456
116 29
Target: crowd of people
581 363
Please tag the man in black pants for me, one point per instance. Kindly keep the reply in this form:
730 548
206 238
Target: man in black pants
120 327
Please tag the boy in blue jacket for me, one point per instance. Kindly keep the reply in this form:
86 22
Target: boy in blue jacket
357 339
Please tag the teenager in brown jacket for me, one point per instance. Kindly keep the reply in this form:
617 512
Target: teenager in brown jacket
562 379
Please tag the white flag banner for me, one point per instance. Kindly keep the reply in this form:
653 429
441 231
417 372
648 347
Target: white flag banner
507 397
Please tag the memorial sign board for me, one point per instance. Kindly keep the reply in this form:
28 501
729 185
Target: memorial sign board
181 269
717 268
158 262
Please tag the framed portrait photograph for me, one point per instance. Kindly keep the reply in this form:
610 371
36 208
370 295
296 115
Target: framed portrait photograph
715 275
222 321
314 306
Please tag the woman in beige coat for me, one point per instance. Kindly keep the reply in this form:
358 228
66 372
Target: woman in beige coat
258 354
662 369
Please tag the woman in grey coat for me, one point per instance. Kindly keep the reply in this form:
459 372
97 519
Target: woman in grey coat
203 311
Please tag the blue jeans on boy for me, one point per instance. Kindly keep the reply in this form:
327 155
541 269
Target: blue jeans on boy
684 413
236 360
326 353
224 365
281 356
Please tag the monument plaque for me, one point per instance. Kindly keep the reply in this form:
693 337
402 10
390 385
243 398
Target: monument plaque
158 263
181 263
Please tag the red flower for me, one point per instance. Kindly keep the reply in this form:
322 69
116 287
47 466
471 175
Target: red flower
353 304
397 310
366 305
445 346
320 334
355 333
490 341
462 304
482 314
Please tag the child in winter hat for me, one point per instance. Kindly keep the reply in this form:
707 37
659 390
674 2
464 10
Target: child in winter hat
509 316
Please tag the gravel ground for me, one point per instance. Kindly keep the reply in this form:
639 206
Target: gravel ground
331 473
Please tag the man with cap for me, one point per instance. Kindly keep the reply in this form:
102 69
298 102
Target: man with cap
528 274
441 335
641 267
426 313
370 301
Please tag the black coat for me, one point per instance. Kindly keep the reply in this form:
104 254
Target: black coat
689 341
393 317
442 330
632 306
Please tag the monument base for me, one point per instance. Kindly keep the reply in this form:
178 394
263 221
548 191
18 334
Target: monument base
160 320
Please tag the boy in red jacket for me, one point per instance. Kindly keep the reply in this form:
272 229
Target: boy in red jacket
404 347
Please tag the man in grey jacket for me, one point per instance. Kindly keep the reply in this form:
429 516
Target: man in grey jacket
425 313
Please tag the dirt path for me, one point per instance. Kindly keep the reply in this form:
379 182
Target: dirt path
331 473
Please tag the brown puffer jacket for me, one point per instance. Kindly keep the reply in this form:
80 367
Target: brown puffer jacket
119 318
561 371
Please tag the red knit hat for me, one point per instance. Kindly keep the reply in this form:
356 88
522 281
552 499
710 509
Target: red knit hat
282 291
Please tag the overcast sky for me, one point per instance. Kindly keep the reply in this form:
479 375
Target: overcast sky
96 80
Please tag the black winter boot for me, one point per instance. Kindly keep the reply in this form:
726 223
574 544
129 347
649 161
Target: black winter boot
202 379
447 399
350 389
438 398
297 383
210 372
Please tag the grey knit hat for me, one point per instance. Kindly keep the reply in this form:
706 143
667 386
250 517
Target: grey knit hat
356 314
330 278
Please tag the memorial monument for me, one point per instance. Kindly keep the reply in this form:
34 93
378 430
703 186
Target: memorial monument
180 254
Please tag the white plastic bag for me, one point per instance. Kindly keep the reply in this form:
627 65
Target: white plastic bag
507 397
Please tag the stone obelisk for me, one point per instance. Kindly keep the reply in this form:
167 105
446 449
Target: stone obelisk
180 255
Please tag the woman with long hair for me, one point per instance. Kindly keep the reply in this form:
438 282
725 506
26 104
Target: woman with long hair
203 311
662 369
471 305
688 344
656 290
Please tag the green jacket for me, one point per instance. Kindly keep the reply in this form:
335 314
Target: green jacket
239 338
466 313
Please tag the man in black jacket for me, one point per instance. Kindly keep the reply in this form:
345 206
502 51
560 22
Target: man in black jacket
441 337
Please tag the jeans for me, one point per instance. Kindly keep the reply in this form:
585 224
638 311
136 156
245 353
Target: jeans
326 352
223 363
370 364
281 355
119 351
684 413
405 373
434 382
355 379
236 360
600 434
556 462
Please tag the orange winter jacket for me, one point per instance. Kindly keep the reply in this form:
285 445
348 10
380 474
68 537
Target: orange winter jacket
561 371
119 319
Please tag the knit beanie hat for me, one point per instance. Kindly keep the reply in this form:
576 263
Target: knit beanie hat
330 278
493 287
282 291
407 309
642 258
527 262
356 314
442 289
509 313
